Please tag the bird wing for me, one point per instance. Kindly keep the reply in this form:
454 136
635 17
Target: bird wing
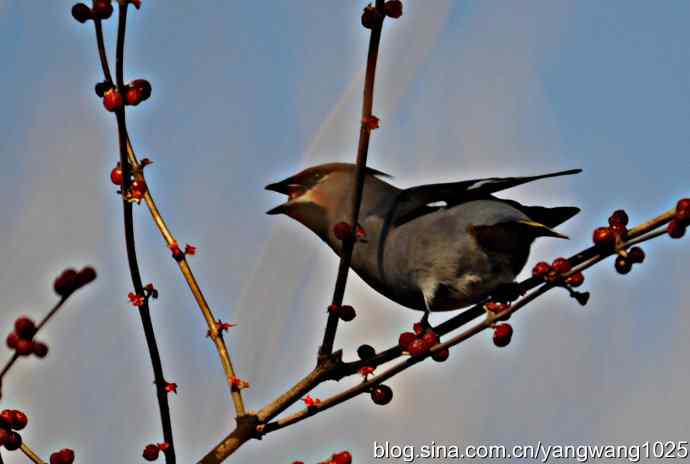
418 201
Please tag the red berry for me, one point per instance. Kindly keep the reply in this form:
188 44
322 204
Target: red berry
144 86
151 452
618 217
418 328
82 13
40 349
4 435
112 100
116 175
440 356
14 442
347 313
102 9
623 265
561 265
636 255
138 188
502 334
370 16
381 394
12 340
393 8
683 204
417 347
342 231
133 96
344 457
430 338
540 269
6 418
24 347
405 339
675 229
65 283
575 280
620 230
19 420
25 327
604 237
64 456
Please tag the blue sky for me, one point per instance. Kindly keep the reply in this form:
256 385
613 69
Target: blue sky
247 93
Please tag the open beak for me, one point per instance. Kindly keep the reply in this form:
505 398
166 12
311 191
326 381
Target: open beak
540 230
286 187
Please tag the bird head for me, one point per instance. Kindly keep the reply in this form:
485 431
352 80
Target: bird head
318 196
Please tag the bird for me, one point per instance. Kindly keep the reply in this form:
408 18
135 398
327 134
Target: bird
433 247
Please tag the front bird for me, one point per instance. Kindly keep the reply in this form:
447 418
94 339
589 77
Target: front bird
433 247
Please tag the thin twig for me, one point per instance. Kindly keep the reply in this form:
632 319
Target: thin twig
144 312
31 454
362 152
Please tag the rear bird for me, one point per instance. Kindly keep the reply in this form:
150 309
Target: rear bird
433 247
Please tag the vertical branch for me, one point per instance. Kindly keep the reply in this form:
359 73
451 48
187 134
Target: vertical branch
362 152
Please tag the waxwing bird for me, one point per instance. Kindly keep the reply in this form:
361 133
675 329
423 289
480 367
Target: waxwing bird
433 247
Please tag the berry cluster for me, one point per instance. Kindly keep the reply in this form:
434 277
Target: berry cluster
134 93
370 15
71 280
554 271
608 238
137 185
420 342
625 260
151 451
344 312
681 220
102 9
10 421
21 340
64 456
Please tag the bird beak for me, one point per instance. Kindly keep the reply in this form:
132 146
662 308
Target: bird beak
280 209
540 230
280 187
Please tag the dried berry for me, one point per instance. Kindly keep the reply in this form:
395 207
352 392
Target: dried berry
102 9
40 349
636 255
393 8
381 394
623 265
82 13
618 217
370 16
25 327
347 313
441 355
366 352
14 441
675 229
